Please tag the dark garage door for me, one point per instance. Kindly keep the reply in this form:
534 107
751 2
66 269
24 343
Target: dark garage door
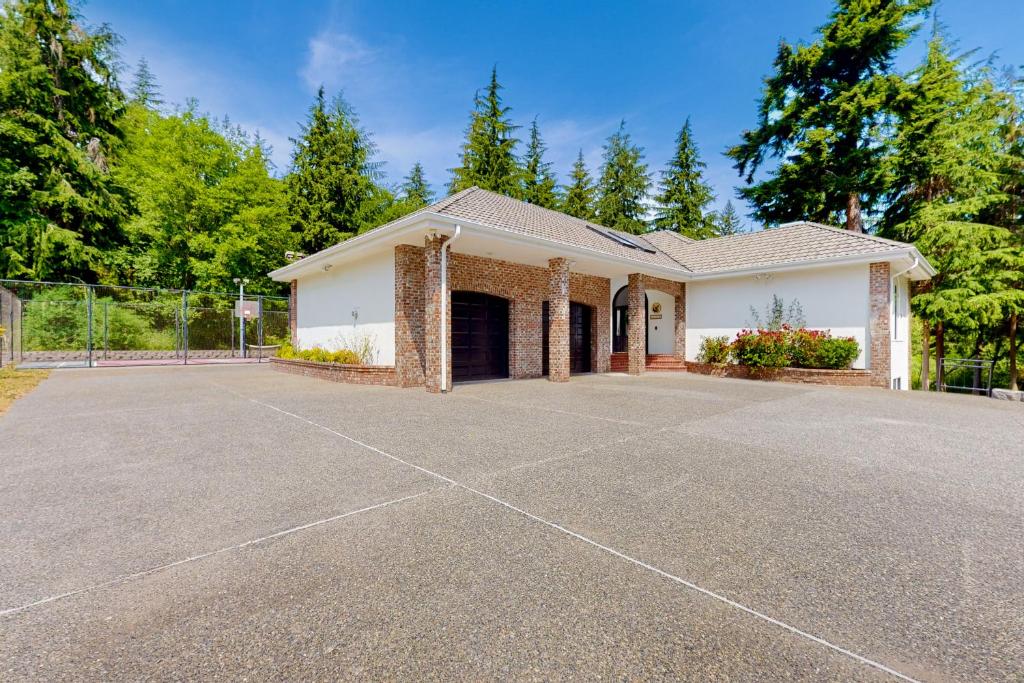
479 336
579 337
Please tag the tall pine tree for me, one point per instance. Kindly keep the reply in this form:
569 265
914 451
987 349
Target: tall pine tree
488 154
415 189
944 172
333 190
684 192
145 90
580 194
539 181
820 114
728 221
624 184
60 107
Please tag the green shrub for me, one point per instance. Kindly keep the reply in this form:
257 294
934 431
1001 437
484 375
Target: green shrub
320 355
761 349
714 350
836 352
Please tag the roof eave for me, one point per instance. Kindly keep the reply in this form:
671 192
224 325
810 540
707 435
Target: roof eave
923 270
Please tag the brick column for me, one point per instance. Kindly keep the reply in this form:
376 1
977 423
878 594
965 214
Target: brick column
410 344
558 320
293 312
432 314
679 348
879 334
637 329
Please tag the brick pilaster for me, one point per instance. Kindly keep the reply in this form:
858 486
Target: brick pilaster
293 312
558 320
410 341
432 314
637 328
880 336
679 349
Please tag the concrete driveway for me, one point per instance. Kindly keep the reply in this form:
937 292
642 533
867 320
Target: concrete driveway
178 523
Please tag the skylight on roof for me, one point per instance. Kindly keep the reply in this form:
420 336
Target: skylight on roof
621 239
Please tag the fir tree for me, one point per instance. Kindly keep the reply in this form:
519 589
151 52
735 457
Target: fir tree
580 194
415 189
145 90
60 107
944 171
538 180
820 115
488 154
684 193
728 222
624 184
332 189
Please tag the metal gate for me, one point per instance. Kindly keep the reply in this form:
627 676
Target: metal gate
48 324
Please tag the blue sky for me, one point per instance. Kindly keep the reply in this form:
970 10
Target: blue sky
410 69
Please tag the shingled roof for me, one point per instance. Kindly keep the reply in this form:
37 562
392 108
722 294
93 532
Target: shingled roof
498 211
790 243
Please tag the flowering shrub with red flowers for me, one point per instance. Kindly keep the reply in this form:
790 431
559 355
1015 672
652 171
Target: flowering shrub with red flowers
788 347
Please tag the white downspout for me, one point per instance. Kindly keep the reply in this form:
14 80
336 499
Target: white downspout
916 262
444 307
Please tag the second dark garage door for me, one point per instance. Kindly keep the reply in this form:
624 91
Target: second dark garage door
479 336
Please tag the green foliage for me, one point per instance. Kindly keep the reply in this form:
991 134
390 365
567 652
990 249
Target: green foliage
728 222
320 355
580 195
59 127
714 350
333 190
793 347
58 320
761 349
207 208
836 352
539 183
684 192
822 112
488 154
623 186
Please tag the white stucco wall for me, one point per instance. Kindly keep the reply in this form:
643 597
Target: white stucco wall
900 326
834 298
348 303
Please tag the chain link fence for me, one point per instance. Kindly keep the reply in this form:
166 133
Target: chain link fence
47 324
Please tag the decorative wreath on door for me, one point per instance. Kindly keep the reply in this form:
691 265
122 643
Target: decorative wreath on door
656 307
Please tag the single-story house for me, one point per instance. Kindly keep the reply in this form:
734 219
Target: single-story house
535 292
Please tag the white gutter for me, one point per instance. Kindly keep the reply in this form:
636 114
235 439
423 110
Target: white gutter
906 270
444 307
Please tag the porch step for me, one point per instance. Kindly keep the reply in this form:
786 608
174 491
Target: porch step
655 361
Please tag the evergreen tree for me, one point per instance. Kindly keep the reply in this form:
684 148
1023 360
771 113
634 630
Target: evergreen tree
728 222
145 90
332 189
539 184
488 154
59 110
415 189
624 184
944 171
820 114
580 194
684 192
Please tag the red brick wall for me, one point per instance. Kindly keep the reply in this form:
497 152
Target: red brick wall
410 309
637 325
381 375
880 361
558 320
525 287
846 378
